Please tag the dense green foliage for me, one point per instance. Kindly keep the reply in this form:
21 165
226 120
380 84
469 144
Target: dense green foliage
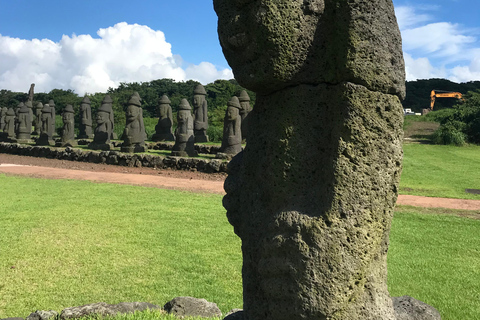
68 243
418 93
461 123
218 94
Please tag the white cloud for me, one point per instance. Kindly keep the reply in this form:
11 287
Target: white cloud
437 49
122 53
421 68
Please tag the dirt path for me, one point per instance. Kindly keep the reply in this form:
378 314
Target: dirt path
169 179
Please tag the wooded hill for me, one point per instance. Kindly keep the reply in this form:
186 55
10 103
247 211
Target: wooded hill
418 93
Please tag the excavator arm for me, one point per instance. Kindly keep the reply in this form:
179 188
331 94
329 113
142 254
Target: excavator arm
434 94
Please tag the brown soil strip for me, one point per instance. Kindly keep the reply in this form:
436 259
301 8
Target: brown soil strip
169 179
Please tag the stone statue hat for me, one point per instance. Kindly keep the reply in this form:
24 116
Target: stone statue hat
199 89
21 104
105 107
39 106
86 100
51 103
164 100
136 94
184 105
46 108
29 104
244 96
135 100
107 99
234 102
69 108
23 109
10 112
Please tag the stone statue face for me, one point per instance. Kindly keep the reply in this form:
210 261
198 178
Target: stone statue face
102 117
67 116
133 112
266 42
182 116
232 113
198 100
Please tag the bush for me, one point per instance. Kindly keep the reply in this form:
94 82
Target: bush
215 133
449 134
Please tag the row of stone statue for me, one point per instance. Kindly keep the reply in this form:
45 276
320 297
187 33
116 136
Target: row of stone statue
16 124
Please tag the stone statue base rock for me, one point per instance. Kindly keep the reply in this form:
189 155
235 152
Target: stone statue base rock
163 137
133 149
45 140
70 143
184 153
24 141
406 308
86 136
200 138
100 146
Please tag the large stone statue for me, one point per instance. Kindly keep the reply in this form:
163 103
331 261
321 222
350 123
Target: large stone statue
31 93
47 129
134 134
3 114
163 129
24 128
184 139
245 109
323 168
232 132
103 131
85 127
9 129
200 114
38 119
68 133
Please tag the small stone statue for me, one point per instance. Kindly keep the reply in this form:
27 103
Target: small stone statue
9 129
134 134
163 129
103 131
38 119
29 105
47 129
107 105
85 128
24 127
3 114
232 132
184 139
51 103
200 114
245 109
68 133
17 112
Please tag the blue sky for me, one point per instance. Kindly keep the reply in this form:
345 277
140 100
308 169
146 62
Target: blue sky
90 45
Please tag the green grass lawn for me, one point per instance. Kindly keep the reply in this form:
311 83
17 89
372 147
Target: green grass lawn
440 171
67 243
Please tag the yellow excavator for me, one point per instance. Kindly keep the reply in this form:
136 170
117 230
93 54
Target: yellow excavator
443 94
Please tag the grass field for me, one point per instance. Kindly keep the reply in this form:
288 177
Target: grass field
76 242
440 171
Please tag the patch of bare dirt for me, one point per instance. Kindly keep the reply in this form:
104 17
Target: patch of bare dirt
174 179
